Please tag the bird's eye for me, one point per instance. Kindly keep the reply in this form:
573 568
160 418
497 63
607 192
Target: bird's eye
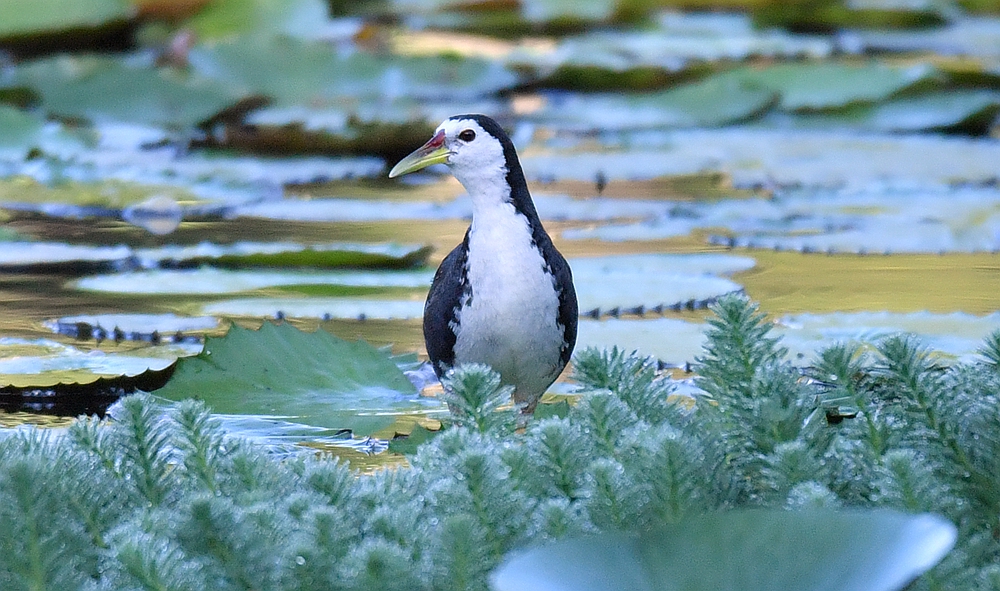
467 136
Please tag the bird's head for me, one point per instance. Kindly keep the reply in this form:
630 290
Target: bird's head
473 146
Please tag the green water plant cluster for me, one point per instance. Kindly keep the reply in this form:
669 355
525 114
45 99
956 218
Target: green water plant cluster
162 499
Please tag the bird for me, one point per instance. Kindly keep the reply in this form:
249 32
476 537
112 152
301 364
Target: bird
504 296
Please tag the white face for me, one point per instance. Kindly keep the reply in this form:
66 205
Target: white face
475 156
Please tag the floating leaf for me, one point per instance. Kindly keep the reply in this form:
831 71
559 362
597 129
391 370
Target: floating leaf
310 378
668 339
961 110
317 307
131 327
288 254
208 280
751 550
21 19
18 131
296 73
957 334
54 257
101 88
310 19
713 102
826 85
632 284
778 158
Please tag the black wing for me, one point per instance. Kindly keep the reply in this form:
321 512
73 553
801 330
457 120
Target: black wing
447 290
568 312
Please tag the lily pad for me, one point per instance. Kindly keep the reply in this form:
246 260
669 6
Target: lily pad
751 550
812 86
671 340
18 132
133 327
295 73
962 35
713 102
20 19
774 158
957 335
549 207
54 257
309 378
633 284
305 19
55 369
208 280
287 254
595 61
318 307
101 88
955 110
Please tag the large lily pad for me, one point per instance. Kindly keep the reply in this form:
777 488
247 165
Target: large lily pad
958 335
295 73
101 88
713 102
754 550
287 254
49 16
639 283
310 378
775 158
318 307
825 85
208 280
18 131
306 19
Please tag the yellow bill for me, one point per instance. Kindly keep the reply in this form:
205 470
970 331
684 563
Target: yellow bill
433 152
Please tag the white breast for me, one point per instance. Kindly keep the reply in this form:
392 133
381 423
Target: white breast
511 323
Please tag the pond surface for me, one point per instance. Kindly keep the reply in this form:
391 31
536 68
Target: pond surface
201 176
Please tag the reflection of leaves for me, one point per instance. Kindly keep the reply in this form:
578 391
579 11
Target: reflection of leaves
101 88
310 378
750 550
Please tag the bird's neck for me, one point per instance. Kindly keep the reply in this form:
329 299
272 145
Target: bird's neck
498 189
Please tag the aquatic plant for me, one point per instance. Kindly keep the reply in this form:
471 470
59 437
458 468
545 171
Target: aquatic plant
164 499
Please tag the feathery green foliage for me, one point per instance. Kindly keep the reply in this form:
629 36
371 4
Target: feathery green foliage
164 500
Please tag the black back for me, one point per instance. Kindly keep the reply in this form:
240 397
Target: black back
450 287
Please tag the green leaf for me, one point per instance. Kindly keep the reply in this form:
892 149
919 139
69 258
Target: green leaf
18 129
296 73
104 88
824 85
961 110
39 16
713 102
408 444
310 378
742 550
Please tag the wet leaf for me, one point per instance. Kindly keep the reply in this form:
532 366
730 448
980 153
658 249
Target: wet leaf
287 254
958 335
18 131
971 111
811 86
713 102
668 339
102 88
308 19
58 370
300 73
408 444
750 550
637 284
310 378
207 280
47 16
133 327
318 307
48 257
